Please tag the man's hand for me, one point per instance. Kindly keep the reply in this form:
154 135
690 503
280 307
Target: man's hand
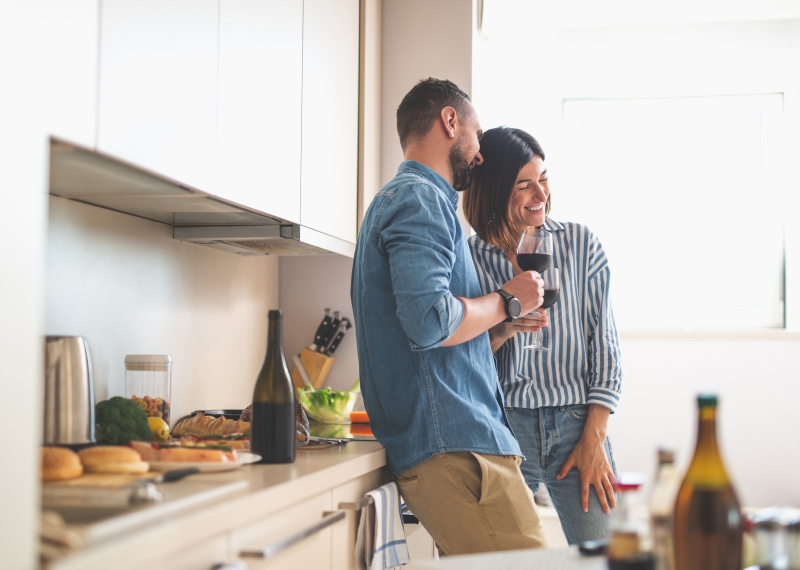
589 456
499 334
483 313
528 287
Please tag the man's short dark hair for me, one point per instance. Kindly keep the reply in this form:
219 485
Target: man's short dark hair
421 107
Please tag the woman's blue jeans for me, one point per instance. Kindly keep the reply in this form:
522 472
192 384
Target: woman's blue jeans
547 436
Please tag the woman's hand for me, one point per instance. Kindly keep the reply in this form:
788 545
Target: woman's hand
500 333
589 456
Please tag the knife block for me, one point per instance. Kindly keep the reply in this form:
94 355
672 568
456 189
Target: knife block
317 367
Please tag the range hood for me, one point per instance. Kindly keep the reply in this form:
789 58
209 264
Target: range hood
91 177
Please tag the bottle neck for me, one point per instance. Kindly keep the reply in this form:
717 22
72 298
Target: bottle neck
707 430
275 333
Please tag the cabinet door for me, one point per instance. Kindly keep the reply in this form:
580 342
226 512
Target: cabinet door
260 91
344 536
311 553
72 73
203 554
158 85
329 179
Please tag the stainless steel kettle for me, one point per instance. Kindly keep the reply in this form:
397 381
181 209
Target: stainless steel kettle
68 392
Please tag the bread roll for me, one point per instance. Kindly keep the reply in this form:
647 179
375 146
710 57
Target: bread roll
59 463
202 425
112 459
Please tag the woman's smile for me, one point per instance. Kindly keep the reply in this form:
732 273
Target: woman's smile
530 194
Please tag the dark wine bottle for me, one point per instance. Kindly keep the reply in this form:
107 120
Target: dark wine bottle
272 430
708 521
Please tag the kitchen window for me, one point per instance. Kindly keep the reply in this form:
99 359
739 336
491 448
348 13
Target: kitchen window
687 196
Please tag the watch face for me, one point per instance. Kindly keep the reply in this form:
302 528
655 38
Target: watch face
514 307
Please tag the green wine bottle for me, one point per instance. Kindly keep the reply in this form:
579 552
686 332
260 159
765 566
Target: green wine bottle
272 430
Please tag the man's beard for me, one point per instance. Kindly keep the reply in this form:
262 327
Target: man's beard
459 167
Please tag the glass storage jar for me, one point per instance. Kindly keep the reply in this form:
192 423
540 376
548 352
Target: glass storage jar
148 379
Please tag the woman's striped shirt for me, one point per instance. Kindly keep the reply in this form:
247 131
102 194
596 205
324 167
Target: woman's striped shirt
584 363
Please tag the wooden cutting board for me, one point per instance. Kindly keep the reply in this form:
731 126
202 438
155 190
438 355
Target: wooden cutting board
105 480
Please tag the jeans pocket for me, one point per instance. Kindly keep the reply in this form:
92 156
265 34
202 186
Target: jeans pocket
578 412
467 471
479 490
405 479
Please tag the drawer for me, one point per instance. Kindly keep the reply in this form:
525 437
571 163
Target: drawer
201 555
312 552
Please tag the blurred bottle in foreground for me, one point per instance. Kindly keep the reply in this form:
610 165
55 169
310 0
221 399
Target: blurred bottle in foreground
662 502
629 546
707 519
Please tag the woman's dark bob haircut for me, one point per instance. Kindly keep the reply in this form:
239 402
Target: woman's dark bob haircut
487 202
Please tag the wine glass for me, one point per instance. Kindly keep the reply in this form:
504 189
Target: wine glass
535 250
552 285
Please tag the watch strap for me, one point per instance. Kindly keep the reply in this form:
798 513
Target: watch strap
507 297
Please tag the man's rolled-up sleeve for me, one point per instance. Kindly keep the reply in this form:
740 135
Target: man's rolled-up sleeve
416 236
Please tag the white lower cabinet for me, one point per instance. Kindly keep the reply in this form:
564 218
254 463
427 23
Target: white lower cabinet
332 548
202 554
266 520
312 552
344 536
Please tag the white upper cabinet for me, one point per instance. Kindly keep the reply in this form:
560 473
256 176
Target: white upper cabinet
329 178
71 29
260 91
158 86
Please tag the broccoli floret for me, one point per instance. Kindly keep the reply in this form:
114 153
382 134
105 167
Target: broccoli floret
119 420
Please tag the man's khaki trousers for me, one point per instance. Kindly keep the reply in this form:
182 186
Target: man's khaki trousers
470 502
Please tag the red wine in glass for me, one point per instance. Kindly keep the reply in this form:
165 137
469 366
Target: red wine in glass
552 285
550 298
534 261
535 250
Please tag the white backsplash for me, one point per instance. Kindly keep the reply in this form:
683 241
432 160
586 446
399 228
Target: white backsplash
309 284
127 286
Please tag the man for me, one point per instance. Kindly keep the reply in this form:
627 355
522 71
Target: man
427 371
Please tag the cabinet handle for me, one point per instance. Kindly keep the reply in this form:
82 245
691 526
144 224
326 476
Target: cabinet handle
408 518
279 546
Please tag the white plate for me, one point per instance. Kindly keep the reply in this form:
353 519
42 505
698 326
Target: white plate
245 458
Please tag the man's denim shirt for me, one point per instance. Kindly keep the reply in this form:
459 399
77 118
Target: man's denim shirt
412 261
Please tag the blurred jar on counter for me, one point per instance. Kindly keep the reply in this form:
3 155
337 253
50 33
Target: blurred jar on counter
148 381
777 538
793 541
630 545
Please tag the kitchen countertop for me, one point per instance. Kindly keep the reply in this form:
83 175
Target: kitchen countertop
202 504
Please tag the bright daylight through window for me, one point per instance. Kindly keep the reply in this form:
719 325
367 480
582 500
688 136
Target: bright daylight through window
669 133
680 187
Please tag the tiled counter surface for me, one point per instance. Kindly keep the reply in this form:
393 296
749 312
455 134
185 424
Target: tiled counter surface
198 510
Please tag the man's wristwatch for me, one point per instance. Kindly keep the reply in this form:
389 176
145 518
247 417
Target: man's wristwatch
513 306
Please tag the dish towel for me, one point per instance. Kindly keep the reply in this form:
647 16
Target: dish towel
381 539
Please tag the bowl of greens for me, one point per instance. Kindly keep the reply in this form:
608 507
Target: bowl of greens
328 406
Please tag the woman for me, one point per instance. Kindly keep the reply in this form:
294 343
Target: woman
558 401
